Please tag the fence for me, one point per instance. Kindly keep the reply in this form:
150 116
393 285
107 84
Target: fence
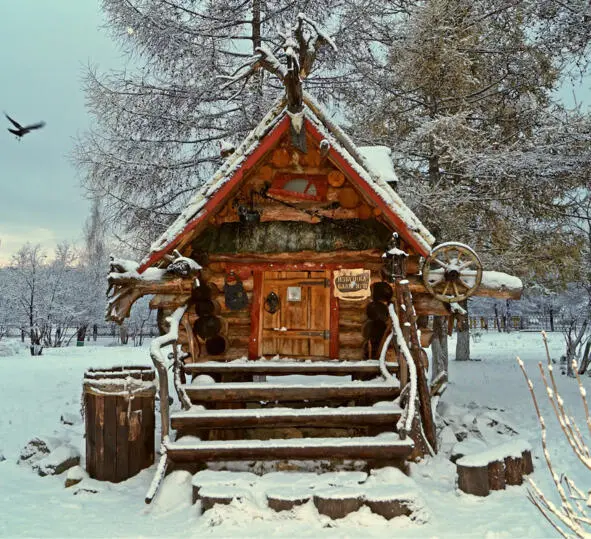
518 323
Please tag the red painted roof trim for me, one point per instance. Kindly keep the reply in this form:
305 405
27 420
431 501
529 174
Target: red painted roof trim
344 165
265 145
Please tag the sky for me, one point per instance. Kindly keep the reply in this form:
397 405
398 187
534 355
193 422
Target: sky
45 47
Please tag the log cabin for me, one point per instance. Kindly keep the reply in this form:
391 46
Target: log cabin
298 257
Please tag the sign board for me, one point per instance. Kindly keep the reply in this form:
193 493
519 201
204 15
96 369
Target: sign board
352 284
294 293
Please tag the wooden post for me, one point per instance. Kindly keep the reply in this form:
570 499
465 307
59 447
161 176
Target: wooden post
254 346
422 383
333 350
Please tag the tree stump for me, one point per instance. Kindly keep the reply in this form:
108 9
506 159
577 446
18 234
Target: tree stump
214 479
528 465
338 502
496 475
211 495
287 498
473 479
390 509
513 470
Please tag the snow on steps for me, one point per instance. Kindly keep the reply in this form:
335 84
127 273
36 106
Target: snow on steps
346 416
263 391
386 492
282 367
387 446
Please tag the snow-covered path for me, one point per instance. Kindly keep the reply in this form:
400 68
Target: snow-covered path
35 392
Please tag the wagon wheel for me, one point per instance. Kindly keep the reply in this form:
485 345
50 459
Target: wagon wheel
452 272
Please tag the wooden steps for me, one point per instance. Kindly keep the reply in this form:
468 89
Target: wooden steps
263 391
342 417
389 447
323 414
286 367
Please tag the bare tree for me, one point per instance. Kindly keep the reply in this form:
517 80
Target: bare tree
159 127
573 514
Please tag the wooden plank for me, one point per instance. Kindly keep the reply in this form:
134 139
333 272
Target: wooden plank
134 437
303 260
90 423
254 346
276 368
254 392
110 439
287 417
122 467
99 420
297 449
148 431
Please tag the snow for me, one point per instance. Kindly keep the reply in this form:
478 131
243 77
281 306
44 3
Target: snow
44 388
379 161
373 165
513 449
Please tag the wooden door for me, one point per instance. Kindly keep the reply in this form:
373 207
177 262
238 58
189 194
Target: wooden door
300 327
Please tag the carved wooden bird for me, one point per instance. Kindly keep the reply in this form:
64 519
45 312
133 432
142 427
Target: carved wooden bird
20 130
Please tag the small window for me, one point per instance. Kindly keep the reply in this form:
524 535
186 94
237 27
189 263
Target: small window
304 187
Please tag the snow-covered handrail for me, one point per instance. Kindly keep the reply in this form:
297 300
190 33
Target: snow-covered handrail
161 364
160 471
412 370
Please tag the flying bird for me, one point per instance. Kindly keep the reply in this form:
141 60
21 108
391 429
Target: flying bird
20 130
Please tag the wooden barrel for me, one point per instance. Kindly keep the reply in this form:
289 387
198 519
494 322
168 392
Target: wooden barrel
207 307
119 421
207 326
382 291
376 310
216 346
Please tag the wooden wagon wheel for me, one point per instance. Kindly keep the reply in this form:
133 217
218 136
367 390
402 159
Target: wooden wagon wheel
452 272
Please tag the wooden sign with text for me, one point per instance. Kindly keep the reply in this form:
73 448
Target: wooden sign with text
352 284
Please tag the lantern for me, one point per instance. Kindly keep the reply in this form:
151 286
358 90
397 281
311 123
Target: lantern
395 260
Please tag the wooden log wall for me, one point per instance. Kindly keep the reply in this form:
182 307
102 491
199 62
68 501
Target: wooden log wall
219 333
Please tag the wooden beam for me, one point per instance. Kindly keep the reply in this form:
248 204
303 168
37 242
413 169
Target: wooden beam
298 449
333 347
286 417
254 344
246 392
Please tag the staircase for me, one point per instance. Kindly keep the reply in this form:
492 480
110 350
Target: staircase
258 410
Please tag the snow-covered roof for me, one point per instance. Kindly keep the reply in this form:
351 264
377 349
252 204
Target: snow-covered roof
379 161
373 165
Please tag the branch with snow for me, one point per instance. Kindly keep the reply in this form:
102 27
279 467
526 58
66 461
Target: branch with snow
573 513
161 363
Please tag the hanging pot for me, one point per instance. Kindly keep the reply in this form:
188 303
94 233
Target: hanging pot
234 294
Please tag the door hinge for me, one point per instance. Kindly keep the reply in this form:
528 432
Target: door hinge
320 282
324 334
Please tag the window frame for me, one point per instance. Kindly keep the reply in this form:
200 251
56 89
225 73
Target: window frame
320 181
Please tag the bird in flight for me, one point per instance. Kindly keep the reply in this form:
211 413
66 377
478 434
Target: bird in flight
19 130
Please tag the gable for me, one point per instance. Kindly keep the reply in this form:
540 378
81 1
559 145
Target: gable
266 160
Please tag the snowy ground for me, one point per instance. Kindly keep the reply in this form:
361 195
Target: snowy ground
35 392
